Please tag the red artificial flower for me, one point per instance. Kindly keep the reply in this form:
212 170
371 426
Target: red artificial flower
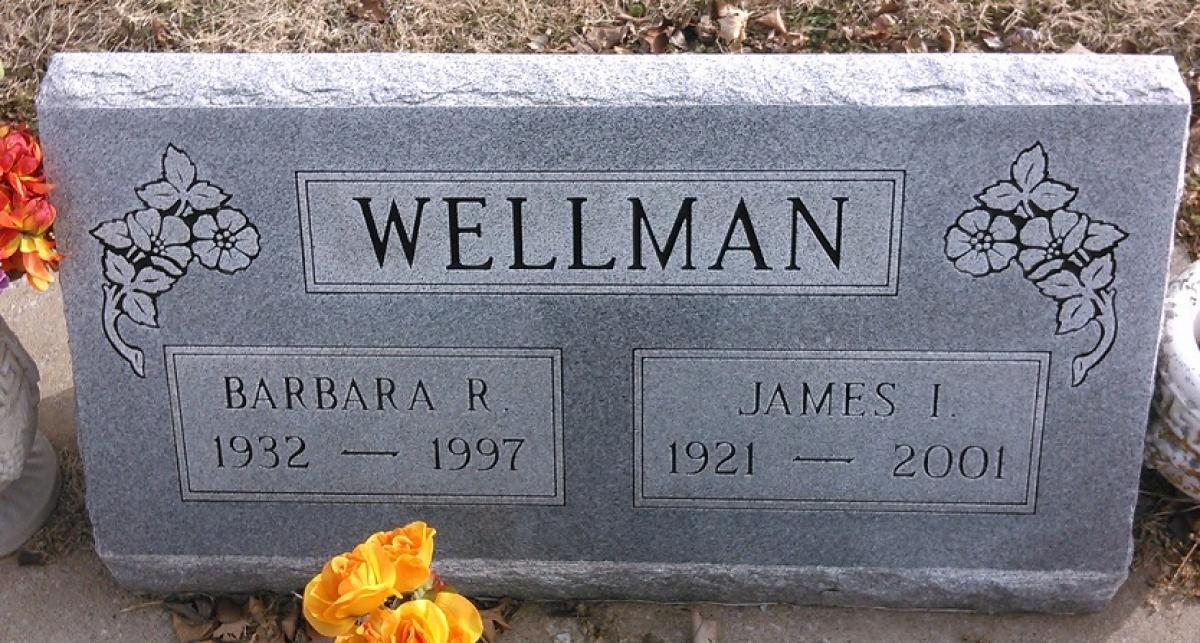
21 162
26 243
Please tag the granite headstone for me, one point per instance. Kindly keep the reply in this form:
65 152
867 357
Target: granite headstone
857 330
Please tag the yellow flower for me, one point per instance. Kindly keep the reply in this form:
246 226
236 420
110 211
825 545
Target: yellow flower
350 586
413 622
466 625
410 548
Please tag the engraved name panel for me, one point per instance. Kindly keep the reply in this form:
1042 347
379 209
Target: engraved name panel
444 425
784 232
838 430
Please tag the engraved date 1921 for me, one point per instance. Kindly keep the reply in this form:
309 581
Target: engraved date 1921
716 458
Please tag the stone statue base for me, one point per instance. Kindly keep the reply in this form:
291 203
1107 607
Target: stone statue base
26 503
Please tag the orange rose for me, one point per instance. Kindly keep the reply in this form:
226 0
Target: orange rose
466 625
350 586
413 622
410 548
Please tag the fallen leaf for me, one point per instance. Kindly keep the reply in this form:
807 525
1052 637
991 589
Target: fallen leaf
731 23
656 39
884 22
256 609
703 630
1079 48
946 39
540 42
371 10
228 611
495 619
679 39
889 6
604 38
706 30
190 631
915 45
195 609
161 31
289 621
1023 40
993 42
773 21
778 29
232 631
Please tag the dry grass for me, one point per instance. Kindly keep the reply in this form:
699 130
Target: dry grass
68 529
1167 531
32 30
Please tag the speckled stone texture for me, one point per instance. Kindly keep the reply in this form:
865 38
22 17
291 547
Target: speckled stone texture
843 330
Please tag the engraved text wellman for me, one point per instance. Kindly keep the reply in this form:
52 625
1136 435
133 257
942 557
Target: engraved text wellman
740 234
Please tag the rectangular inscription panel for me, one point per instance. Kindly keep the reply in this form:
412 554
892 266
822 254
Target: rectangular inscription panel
839 430
445 425
794 232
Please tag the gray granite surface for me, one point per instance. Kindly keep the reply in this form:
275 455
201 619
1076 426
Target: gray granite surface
839 330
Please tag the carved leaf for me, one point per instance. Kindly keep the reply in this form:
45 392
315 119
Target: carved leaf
1075 313
1004 195
1030 167
206 196
159 195
1102 237
178 169
1052 195
114 234
152 281
1098 273
1061 285
117 269
140 308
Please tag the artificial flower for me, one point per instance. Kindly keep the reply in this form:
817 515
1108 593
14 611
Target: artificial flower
410 548
466 625
420 621
21 162
350 586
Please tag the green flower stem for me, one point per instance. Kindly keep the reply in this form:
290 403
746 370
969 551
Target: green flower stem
113 295
1106 319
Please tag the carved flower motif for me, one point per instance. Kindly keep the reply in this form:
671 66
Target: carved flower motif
179 187
981 243
1046 242
225 242
1029 188
1068 255
147 251
164 239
